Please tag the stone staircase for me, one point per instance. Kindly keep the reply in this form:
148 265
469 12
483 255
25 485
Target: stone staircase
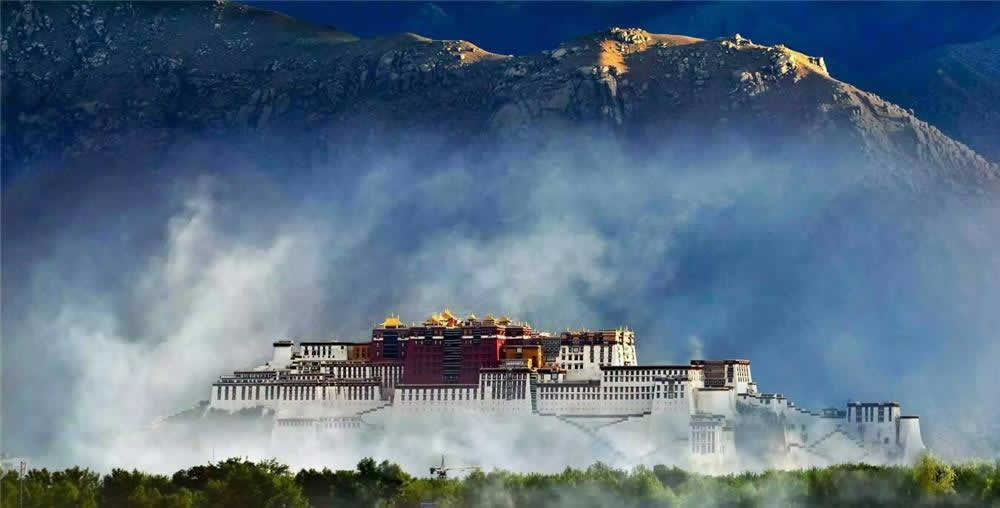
826 436
839 430
372 410
592 432
613 422
811 452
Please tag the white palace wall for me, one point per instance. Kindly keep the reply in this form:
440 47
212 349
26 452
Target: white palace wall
645 410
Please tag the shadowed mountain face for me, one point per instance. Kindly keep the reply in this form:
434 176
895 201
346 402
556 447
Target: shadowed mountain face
84 80
891 48
956 87
185 182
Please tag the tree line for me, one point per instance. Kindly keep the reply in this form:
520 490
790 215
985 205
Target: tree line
239 483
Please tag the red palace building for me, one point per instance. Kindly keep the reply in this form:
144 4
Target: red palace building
444 348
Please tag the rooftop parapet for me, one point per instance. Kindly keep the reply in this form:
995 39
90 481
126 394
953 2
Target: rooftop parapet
873 404
332 342
650 367
736 361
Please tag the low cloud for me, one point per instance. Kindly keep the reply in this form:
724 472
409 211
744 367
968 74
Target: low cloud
832 290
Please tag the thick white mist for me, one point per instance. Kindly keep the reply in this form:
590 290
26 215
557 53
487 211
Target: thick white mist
721 257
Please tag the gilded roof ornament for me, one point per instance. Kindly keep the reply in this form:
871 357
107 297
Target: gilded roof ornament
391 322
446 315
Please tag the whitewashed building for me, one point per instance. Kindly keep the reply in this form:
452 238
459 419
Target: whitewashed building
590 380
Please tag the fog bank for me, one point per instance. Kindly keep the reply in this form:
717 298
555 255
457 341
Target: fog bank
127 292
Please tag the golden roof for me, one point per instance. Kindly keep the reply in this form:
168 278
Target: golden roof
434 319
448 316
391 322
471 317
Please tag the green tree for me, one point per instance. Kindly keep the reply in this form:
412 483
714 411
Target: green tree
646 488
972 479
671 477
991 490
934 477
381 481
122 488
317 486
9 489
145 497
236 483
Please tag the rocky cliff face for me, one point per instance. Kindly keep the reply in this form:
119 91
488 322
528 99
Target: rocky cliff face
90 79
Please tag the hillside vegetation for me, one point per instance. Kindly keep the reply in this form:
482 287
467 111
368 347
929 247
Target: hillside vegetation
241 483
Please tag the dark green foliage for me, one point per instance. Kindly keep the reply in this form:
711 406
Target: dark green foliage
74 487
670 477
934 477
236 483
124 488
240 483
367 486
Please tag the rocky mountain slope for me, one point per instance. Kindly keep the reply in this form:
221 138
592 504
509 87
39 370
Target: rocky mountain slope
957 87
91 79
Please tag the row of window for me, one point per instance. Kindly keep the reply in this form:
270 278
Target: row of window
567 388
740 372
642 376
508 390
499 376
388 374
575 353
598 396
609 396
439 394
426 342
606 389
241 379
703 442
352 370
867 413
278 392
325 351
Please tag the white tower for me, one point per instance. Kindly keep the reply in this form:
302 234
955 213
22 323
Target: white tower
282 354
910 442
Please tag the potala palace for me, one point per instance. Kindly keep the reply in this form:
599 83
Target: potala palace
707 413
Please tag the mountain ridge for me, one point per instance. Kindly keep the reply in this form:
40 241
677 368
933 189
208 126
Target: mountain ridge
85 80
